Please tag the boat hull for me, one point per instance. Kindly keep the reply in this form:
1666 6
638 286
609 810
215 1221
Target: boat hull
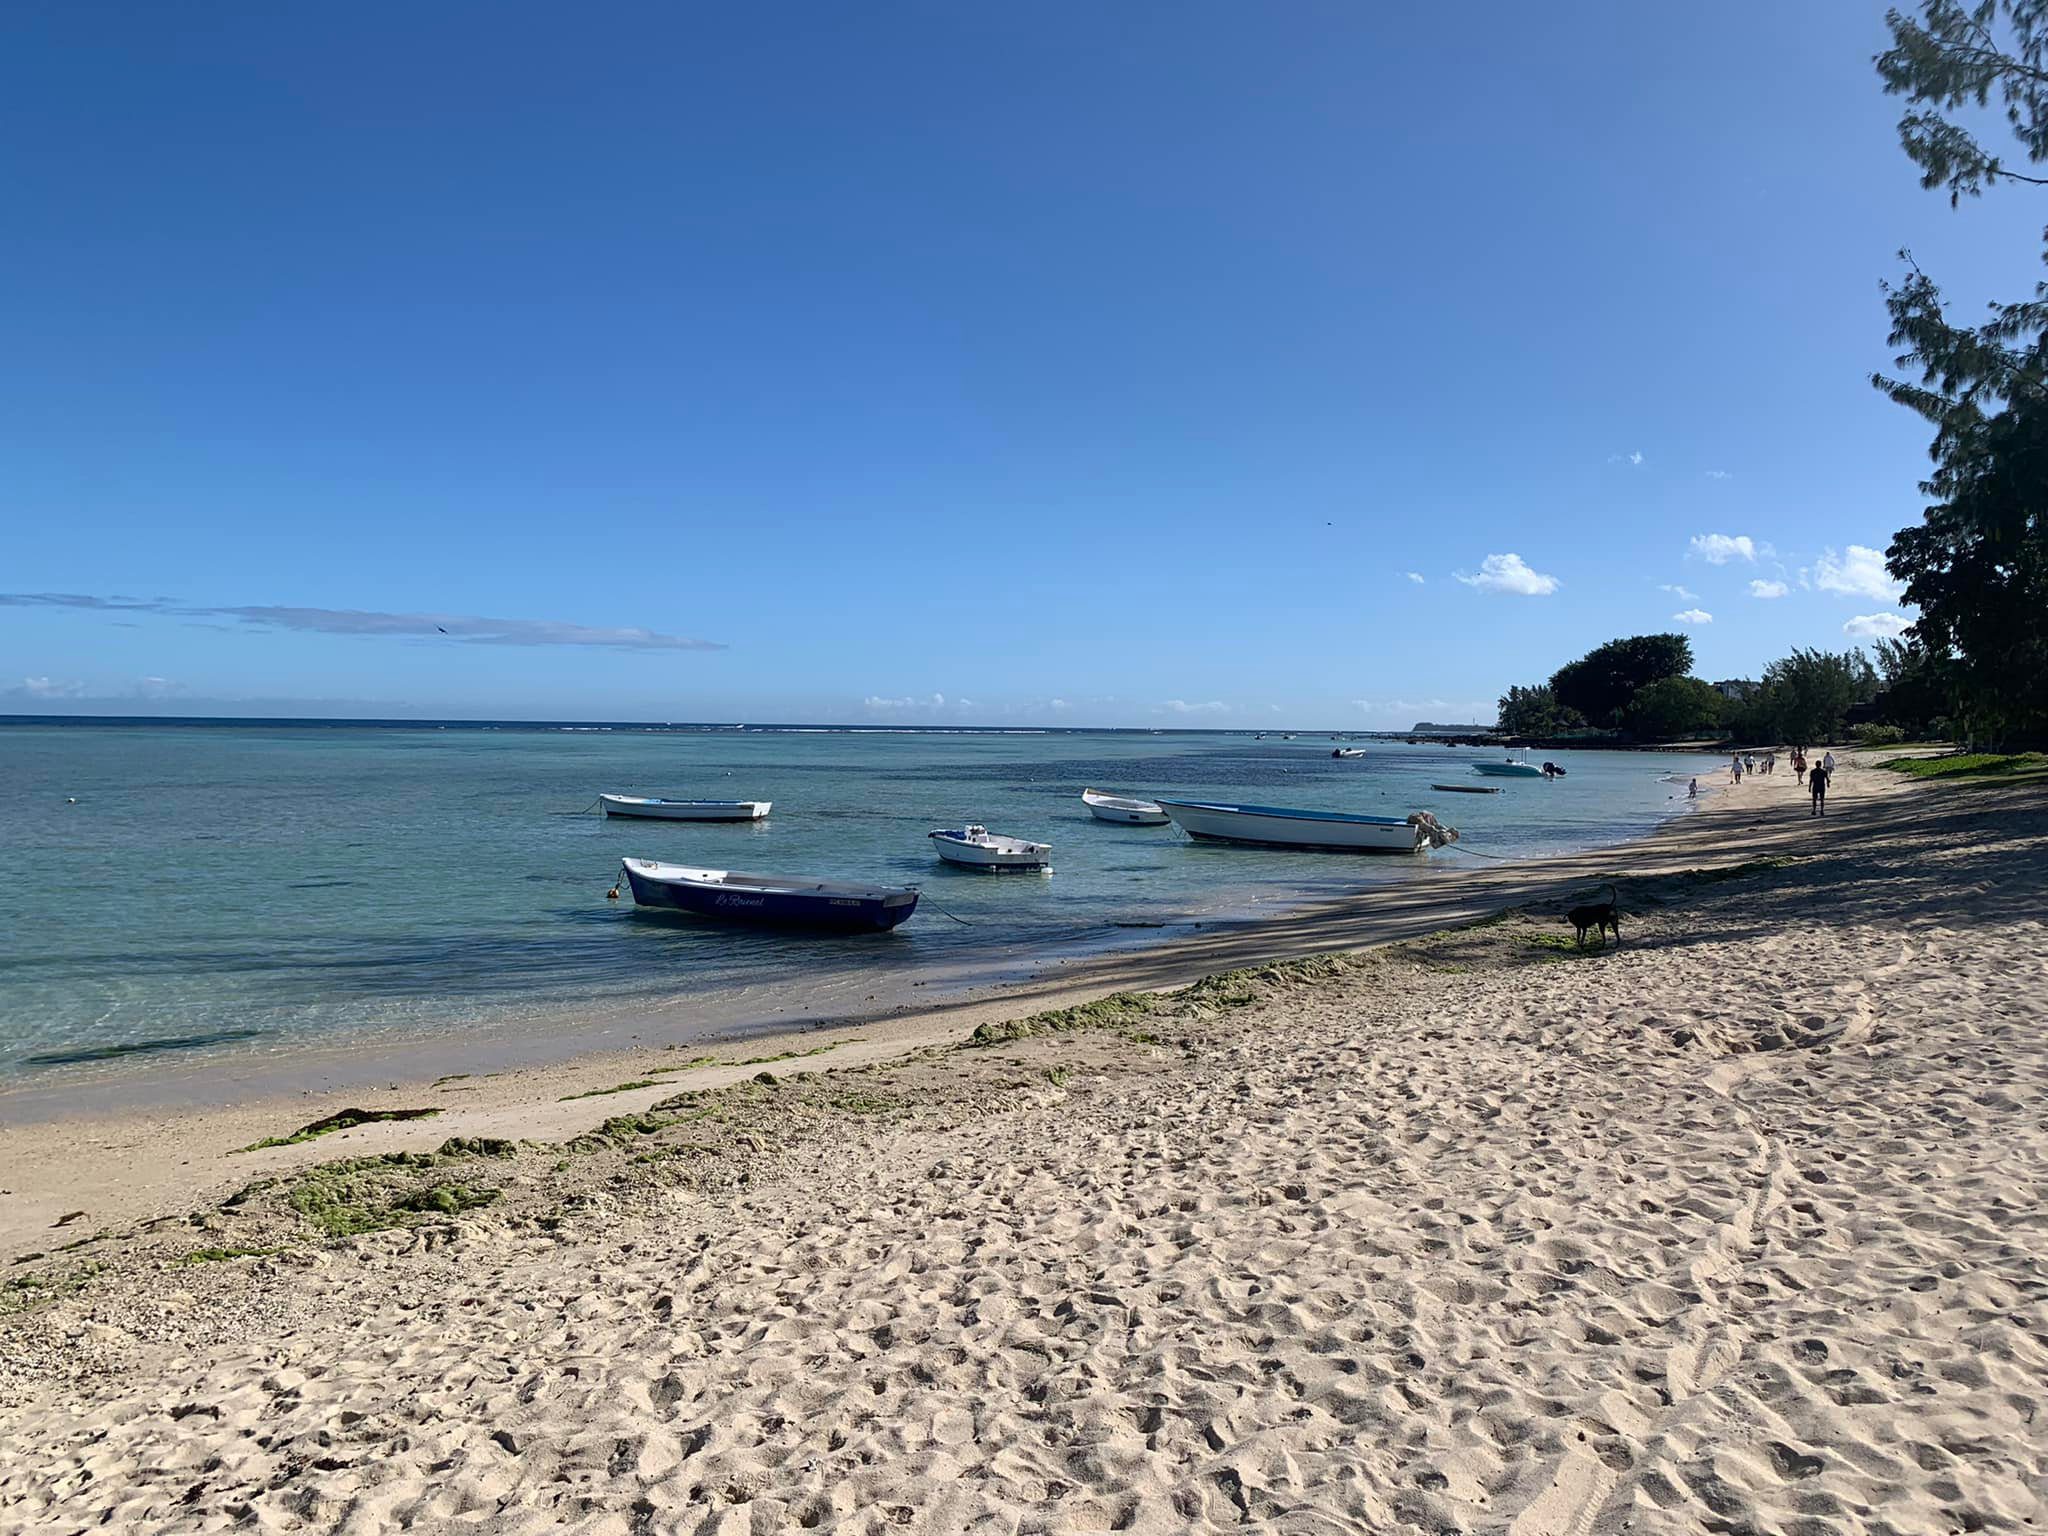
974 856
642 809
825 908
1275 827
1508 770
1123 811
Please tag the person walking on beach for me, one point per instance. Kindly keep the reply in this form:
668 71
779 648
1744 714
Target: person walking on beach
1799 764
1817 786
1693 793
1738 771
1827 763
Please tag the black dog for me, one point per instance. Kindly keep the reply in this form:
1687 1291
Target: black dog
1597 917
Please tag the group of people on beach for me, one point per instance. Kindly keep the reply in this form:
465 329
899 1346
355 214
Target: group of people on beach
1814 776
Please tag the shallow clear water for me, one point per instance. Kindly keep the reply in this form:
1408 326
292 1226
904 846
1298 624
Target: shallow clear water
263 888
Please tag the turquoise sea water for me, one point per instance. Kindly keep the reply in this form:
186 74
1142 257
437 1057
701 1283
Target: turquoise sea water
258 889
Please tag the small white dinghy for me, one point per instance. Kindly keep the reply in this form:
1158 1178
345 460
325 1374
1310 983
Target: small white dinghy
1124 809
975 847
653 808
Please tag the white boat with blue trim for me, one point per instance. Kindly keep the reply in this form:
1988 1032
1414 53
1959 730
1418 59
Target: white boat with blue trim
975 847
1509 768
1273 826
1126 810
652 808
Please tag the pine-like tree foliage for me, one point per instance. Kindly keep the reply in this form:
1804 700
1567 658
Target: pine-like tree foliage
1977 567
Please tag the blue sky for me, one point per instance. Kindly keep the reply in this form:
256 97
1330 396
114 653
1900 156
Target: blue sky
1207 364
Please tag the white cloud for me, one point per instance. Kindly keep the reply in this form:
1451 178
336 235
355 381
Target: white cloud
1680 593
1718 474
880 705
469 629
1858 573
49 688
1871 626
1059 704
1416 577
1509 573
1768 589
1633 459
1183 707
1693 616
1720 548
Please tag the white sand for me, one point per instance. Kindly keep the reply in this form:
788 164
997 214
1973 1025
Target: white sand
1738 1228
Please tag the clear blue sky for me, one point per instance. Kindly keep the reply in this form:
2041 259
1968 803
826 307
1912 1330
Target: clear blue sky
1130 357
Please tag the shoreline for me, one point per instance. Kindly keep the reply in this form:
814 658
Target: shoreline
1476 1230
130 1162
516 1038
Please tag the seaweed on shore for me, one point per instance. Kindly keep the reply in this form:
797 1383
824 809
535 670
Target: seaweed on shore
598 1093
341 1120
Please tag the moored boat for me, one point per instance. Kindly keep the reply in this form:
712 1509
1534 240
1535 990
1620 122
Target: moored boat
1468 789
653 808
1349 752
1126 809
975 847
792 901
1508 768
1274 826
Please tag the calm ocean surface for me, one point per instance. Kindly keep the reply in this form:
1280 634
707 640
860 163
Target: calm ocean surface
259 889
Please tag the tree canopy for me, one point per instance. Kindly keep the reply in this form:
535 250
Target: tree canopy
1805 695
1535 712
1977 567
1673 708
1600 683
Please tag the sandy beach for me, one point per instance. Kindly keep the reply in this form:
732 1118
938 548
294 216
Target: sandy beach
1367 1219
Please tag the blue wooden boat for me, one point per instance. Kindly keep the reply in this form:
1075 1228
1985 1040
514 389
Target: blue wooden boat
791 901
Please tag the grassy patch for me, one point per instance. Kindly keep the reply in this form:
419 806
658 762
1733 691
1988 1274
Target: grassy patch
449 1199
342 1120
685 1066
1555 946
598 1093
1112 1012
1972 765
1058 1076
223 1255
816 1050
624 1130
862 1103
476 1146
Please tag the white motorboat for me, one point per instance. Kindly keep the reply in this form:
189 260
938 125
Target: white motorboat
1348 752
975 847
652 808
1124 809
1509 768
1274 826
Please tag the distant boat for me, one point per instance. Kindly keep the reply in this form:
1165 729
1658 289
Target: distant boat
793 901
1511 768
1349 752
654 809
1334 831
1468 789
1122 808
975 847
